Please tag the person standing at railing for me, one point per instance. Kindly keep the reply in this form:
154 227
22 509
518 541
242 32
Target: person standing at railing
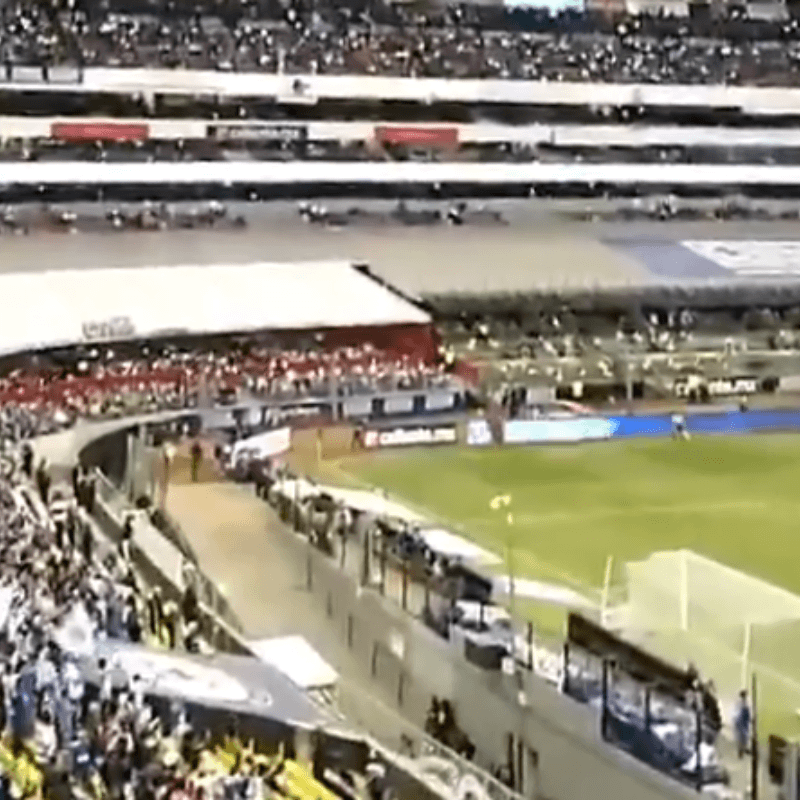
742 719
126 541
196 459
76 476
168 459
27 460
87 540
43 481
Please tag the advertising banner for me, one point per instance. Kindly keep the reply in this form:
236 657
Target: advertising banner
264 445
718 387
479 433
732 422
417 136
420 434
581 429
114 328
440 401
259 132
99 132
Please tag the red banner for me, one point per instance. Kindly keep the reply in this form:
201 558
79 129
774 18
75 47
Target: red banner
99 131
420 137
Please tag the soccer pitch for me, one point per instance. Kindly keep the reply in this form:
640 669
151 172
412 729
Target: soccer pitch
734 500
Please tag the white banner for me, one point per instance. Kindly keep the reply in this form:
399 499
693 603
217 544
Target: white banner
264 445
581 429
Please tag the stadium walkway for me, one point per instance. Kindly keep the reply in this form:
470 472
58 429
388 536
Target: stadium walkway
240 546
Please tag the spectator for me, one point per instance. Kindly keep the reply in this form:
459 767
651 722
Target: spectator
43 481
742 720
27 459
196 459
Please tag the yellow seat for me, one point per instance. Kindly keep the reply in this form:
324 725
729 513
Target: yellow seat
298 783
22 770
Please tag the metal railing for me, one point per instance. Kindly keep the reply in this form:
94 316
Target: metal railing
397 734
209 595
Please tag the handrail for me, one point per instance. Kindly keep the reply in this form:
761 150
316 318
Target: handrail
210 597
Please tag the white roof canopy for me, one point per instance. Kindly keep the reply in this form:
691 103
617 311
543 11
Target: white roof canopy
55 308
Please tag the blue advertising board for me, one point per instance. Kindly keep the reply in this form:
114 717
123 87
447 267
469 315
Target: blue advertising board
730 422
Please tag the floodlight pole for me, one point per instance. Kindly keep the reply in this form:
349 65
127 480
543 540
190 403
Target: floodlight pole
605 692
497 504
606 589
510 562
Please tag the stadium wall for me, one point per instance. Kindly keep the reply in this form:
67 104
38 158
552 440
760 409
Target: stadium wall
565 757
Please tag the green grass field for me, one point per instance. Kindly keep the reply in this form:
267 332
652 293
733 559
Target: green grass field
736 500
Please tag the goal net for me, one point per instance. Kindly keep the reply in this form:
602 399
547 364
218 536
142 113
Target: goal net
722 619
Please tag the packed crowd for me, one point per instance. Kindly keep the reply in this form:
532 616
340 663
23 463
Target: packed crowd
66 733
384 40
144 216
50 150
61 736
108 385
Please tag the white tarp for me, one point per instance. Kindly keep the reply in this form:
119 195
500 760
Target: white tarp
298 660
297 488
371 502
264 445
453 546
750 258
548 593
52 308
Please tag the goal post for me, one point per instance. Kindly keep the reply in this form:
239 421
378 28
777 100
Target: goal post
689 606
748 634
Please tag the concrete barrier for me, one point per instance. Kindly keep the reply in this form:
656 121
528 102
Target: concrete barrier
564 756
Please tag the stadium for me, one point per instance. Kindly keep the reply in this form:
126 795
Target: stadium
399 400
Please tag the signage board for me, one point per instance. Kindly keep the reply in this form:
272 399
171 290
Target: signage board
718 387
479 433
100 131
259 132
580 429
417 435
112 328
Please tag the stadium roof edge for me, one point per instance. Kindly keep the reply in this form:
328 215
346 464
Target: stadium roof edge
51 309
